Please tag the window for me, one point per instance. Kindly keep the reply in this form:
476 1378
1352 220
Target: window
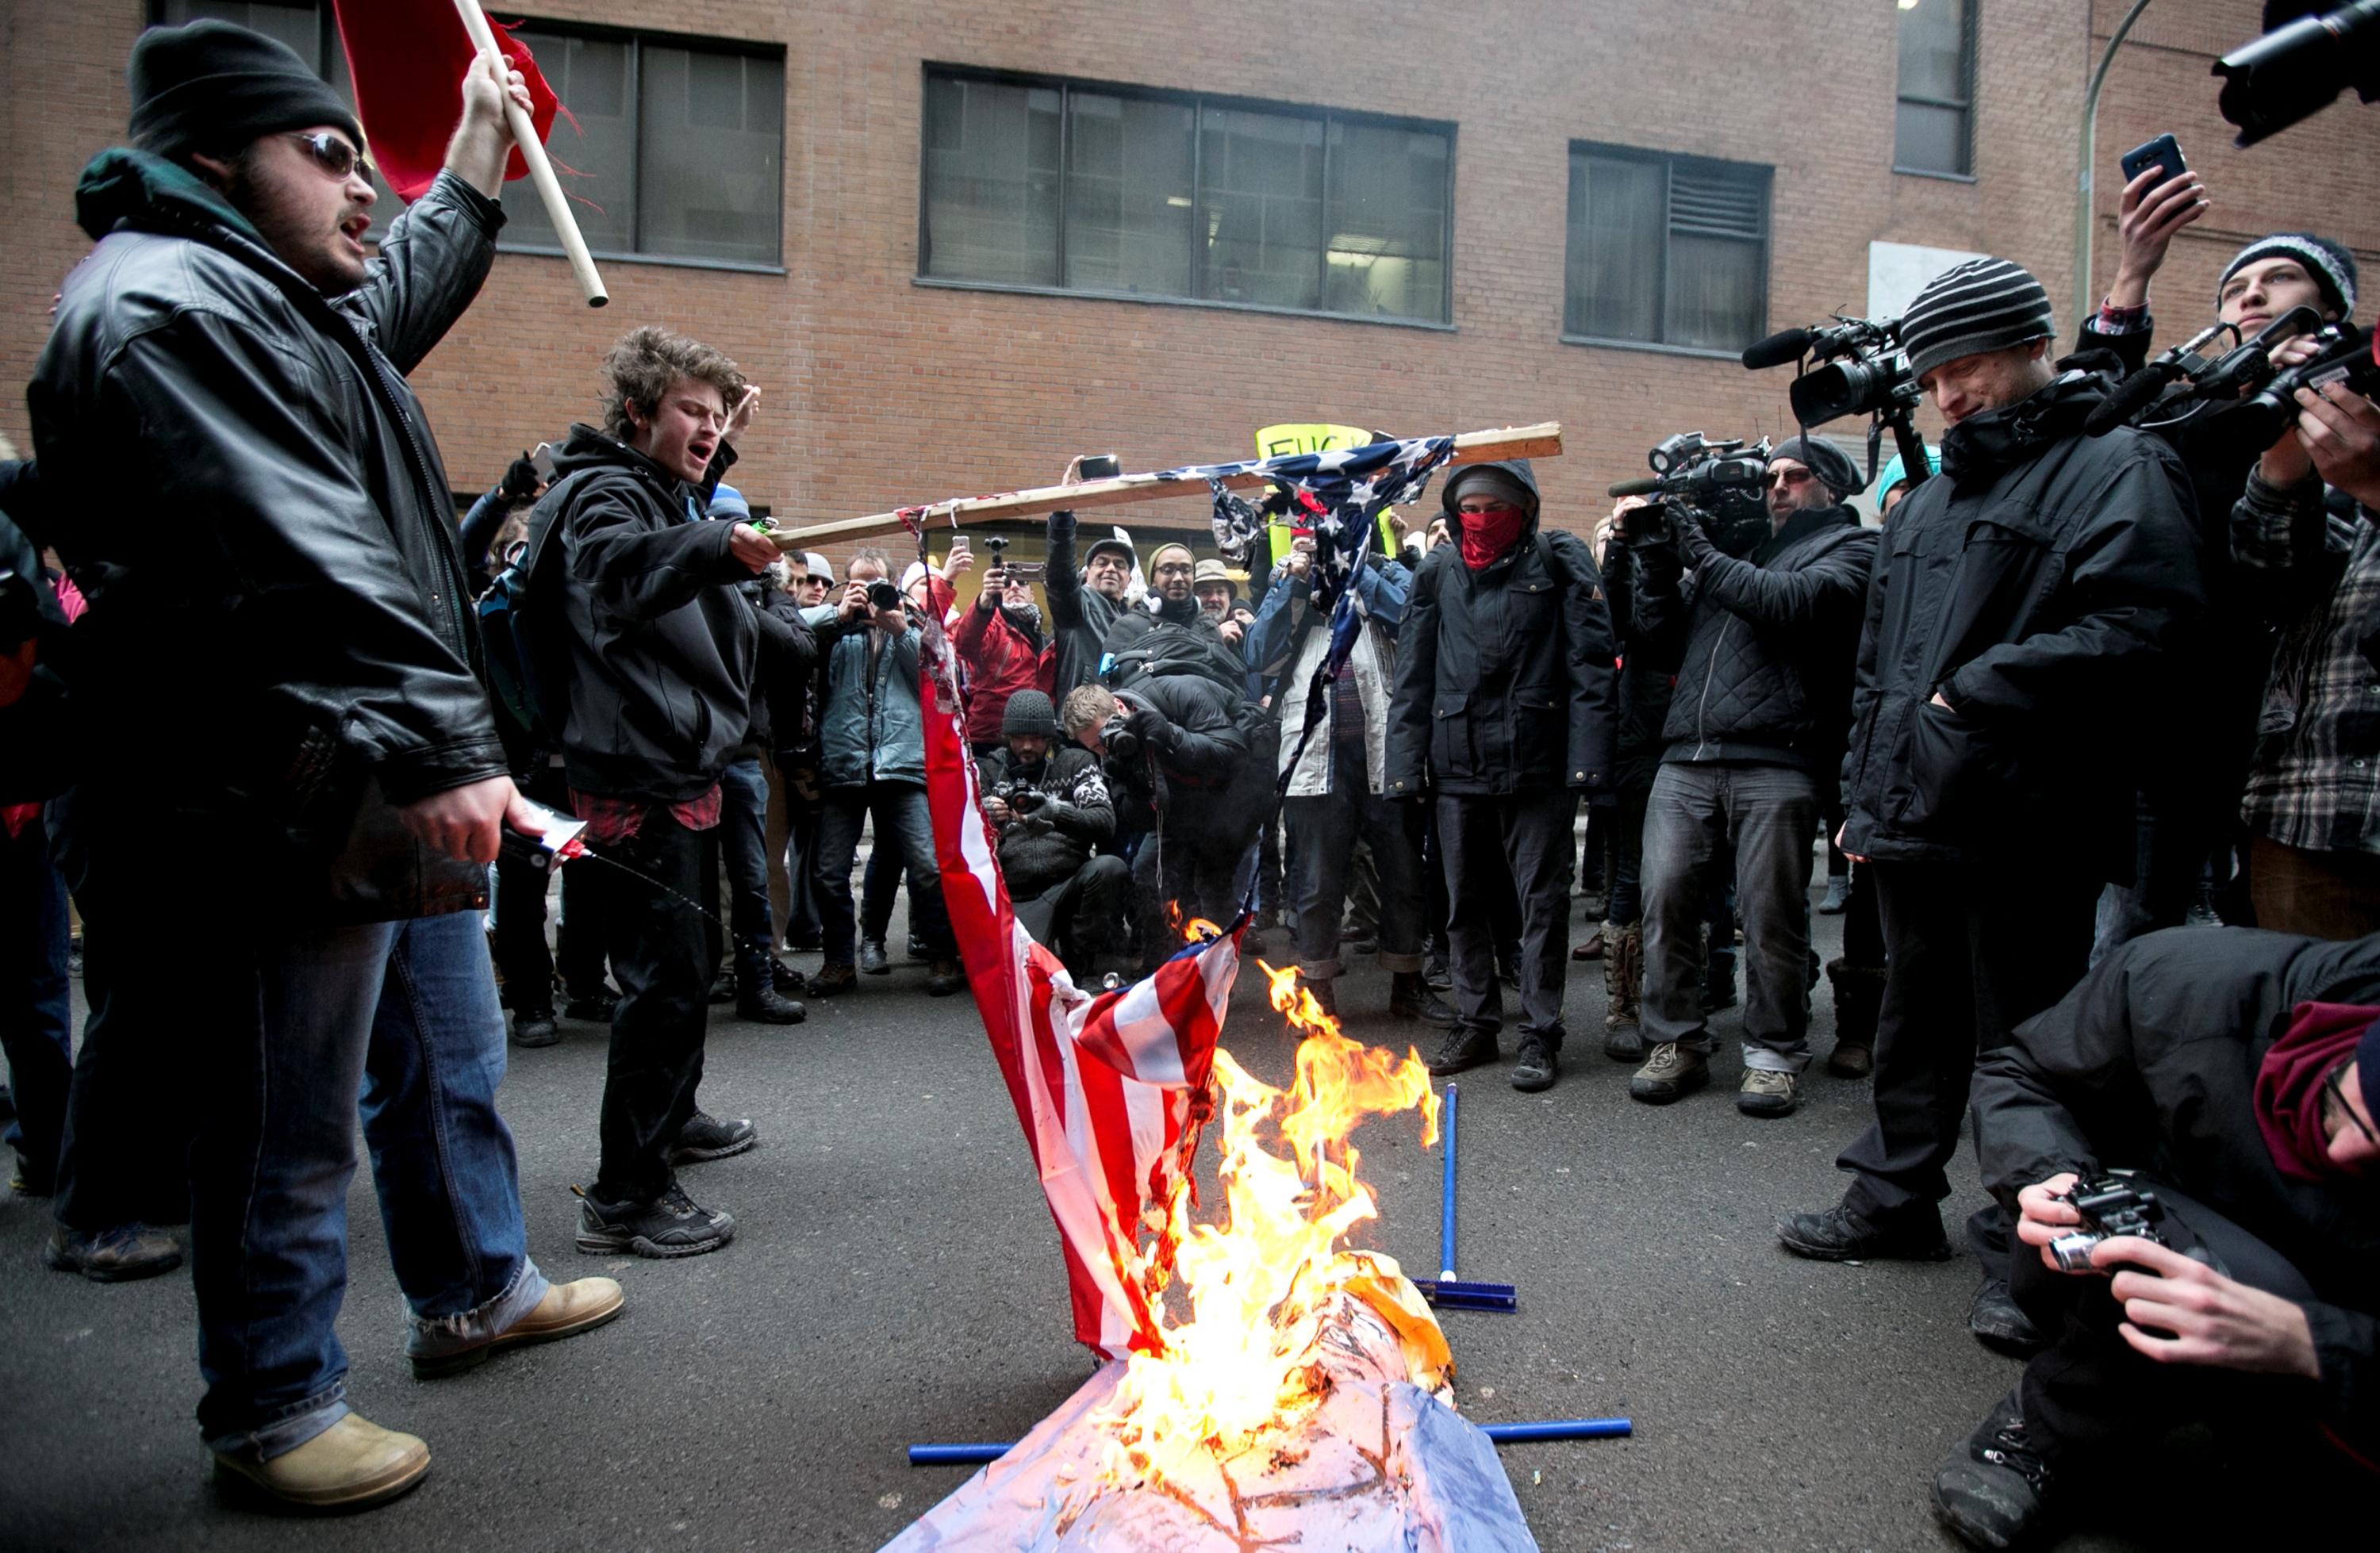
677 150
1050 185
1669 251
1933 131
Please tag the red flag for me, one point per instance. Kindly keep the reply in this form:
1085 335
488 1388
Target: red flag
1107 1085
406 59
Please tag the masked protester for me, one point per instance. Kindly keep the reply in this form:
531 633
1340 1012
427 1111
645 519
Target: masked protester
2237 1074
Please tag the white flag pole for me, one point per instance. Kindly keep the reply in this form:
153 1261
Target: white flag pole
541 170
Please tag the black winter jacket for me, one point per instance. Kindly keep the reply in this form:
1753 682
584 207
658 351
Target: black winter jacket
2150 1064
1771 642
1504 675
1079 619
289 629
1648 667
1042 847
2032 585
662 651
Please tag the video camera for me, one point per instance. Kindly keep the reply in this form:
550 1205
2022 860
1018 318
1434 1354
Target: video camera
2296 70
2110 1206
1717 483
2248 365
1859 369
2349 357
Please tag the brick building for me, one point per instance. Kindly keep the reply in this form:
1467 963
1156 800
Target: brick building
959 242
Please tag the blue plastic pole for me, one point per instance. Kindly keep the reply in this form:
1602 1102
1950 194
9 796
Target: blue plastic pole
954 1455
1446 1208
1503 1434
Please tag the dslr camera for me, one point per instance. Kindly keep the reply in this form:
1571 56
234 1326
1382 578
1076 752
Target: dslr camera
1117 737
882 595
2110 1206
1022 798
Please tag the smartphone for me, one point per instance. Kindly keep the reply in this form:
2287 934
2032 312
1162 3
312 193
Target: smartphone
542 462
962 545
1099 466
2164 151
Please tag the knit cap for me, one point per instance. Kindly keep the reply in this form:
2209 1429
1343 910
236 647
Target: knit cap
1028 712
2330 264
1981 305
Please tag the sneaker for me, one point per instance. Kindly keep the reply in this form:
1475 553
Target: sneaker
567 1310
671 1225
1464 1049
596 1006
944 977
1538 1065
351 1466
705 1136
1672 1072
1994 1490
1840 1235
2000 1323
766 1005
783 978
872 958
1838 895
117 1255
832 978
1850 1059
535 1028
1410 997
1764 1093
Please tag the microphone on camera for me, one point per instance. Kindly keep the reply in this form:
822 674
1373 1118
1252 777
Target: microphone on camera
1777 350
1642 486
2131 396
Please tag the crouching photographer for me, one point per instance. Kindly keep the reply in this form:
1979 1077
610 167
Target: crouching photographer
2237 1279
1049 803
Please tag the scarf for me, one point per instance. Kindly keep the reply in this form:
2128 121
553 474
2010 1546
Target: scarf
2289 1084
1486 538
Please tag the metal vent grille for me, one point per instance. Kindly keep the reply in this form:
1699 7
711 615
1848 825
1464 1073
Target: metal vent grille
1704 205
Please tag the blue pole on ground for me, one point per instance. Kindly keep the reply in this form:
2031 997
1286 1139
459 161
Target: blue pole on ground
1446 1292
1446 1208
1503 1434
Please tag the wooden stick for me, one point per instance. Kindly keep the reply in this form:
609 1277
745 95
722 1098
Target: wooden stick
1541 440
541 171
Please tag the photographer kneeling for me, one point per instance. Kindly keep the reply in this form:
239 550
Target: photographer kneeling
2244 1067
1050 803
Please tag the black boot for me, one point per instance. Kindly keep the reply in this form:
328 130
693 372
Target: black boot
1464 1049
1994 1489
1859 997
756 997
1410 997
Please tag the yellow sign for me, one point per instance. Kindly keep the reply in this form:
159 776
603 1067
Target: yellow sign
1278 442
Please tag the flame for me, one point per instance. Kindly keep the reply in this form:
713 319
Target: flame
1195 930
1256 1285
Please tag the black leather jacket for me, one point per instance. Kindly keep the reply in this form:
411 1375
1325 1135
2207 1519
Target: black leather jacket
279 642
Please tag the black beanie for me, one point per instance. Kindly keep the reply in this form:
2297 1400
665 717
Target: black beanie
2330 264
1982 305
212 87
1824 459
1029 712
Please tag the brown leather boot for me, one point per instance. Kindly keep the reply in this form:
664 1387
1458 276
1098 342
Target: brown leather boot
1623 981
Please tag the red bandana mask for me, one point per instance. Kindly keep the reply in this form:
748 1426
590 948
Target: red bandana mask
1488 535
2289 1084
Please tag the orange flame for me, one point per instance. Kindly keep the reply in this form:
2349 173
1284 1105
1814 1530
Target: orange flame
1256 1283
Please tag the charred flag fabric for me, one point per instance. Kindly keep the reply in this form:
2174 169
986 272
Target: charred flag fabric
1108 1086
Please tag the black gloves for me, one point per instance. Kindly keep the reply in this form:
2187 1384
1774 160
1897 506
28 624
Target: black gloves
1693 545
1148 725
521 480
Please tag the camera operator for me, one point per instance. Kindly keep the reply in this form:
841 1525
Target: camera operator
1503 713
1048 801
999 642
1084 606
2018 608
2239 1071
1645 685
1771 639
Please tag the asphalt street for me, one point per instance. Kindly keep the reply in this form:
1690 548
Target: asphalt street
896 1279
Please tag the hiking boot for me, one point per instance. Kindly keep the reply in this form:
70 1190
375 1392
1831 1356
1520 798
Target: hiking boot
1624 980
351 1466
832 978
783 978
765 1005
671 1225
1994 1489
723 986
872 958
943 978
535 1028
705 1136
1538 1065
567 1310
1838 895
1672 1072
594 1006
1764 1093
1410 997
1838 1234
1464 1049
2000 1323
117 1255
1850 1059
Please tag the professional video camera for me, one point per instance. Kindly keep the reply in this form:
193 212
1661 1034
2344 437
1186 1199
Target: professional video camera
2247 366
2110 1206
1718 483
1859 369
2349 357
2296 70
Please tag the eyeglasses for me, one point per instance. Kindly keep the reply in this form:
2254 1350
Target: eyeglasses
334 155
1775 478
2334 1093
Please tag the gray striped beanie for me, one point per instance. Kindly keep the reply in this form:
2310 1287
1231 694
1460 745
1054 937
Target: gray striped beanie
1982 305
2331 264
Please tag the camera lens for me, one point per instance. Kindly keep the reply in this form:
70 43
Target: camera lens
2072 1252
882 595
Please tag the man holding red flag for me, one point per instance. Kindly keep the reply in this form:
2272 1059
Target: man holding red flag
229 354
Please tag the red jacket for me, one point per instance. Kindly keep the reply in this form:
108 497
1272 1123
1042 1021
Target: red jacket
999 662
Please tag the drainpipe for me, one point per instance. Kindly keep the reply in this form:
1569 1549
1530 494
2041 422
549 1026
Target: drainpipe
2085 304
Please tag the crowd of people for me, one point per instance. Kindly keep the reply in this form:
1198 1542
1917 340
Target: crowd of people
2140 662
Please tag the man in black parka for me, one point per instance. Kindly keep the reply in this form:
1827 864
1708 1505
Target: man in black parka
1503 716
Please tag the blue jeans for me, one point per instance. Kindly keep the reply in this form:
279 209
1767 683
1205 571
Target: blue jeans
33 1007
307 1020
744 847
905 827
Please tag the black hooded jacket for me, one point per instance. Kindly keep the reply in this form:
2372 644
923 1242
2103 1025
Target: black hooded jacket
2032 585
2150 1064
1770 641
1504 675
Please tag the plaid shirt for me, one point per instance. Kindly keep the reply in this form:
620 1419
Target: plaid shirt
2316 783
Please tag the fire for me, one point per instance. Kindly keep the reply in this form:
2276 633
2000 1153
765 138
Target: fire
1257 1285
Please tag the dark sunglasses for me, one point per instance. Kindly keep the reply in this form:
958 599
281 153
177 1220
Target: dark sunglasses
2334 1093
1786 477
333 154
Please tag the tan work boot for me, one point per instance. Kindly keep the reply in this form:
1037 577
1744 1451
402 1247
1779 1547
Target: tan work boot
567 1310
1623 979
351 1466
